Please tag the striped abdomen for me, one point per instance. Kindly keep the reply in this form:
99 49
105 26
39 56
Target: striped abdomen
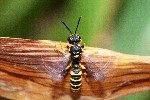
75 80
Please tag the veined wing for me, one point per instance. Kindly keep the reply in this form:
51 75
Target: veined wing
29 55
55 67
98 63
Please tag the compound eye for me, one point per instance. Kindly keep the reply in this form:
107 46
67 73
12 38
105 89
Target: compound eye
78 38
70 39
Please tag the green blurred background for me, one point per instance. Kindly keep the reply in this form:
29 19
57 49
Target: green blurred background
119 25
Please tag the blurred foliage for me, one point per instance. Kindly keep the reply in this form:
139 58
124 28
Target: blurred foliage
120 25
133 27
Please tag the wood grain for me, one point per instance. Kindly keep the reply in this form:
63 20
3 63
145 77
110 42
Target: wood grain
22 76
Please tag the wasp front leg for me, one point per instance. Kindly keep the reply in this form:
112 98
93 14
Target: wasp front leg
83 45
68 46
60 48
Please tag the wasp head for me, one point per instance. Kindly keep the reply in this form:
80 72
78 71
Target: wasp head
74 39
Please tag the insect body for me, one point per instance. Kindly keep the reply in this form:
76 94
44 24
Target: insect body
75 50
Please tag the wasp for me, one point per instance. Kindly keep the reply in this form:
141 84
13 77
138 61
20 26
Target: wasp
75 50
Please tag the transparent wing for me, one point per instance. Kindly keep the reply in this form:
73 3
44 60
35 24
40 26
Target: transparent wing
98 63
55 67
33 55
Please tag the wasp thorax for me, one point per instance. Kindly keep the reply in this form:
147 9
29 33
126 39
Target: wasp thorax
74 39
75 50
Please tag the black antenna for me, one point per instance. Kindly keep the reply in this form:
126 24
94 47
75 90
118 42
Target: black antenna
78 24
67 27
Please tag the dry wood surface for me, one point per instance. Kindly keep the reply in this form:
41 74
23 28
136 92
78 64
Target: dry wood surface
23 75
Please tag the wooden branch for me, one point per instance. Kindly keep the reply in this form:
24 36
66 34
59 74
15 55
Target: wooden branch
22 75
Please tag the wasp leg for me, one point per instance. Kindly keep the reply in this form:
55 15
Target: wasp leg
61 49
83 45
68 67
68 46
85 73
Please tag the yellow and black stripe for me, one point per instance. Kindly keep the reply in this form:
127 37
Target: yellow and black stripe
75 81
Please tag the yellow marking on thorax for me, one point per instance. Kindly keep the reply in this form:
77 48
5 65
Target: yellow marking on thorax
76 56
